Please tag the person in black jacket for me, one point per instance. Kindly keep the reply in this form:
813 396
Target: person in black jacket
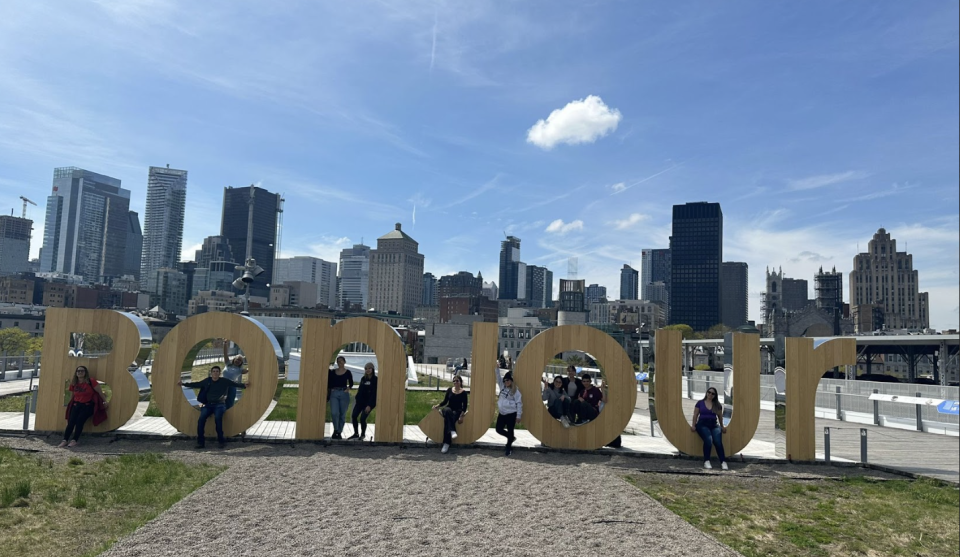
453 408
217 389
365 401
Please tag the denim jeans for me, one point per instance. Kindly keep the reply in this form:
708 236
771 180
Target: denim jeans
505 425
231 397
217 410
559 408
79 414
339 401
709 431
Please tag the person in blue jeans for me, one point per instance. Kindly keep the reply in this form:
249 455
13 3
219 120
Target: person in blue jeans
339 383
217 389
708 420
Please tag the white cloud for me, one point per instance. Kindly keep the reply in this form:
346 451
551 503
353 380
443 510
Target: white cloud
559 227
582 121
326 247
618 187
822 180
629 221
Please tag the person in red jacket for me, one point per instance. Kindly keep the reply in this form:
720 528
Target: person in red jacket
85 395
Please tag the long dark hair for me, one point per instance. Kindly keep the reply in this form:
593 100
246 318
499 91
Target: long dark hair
86 375
716 407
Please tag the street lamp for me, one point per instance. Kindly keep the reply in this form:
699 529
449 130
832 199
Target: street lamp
249 270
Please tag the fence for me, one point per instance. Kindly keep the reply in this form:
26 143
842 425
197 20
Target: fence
849 400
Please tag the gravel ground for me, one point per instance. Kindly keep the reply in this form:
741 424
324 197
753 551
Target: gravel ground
309 499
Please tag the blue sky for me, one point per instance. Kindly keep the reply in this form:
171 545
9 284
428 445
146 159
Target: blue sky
572 125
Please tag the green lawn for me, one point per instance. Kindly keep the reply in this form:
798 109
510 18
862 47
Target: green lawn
418 404
81 508
13 403
827 517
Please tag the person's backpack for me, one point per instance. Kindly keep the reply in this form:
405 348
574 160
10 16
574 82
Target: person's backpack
202 396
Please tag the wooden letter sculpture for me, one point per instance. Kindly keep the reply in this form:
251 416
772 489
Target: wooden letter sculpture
131 341
806 364
621 394
746 386
483 391
320 342
181 345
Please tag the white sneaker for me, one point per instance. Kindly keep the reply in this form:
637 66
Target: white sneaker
565 421
453 435
445 448
707 465
723 465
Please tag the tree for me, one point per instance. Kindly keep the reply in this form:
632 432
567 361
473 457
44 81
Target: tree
13 340
96 342
686 330
717 331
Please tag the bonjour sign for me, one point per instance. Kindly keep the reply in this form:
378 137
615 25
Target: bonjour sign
320 341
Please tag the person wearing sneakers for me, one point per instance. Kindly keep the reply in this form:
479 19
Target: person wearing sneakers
708 416
509 407
86 399
217 389
453 408
586 405
556 399
365 401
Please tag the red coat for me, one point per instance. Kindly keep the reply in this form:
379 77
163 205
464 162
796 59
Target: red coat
99 410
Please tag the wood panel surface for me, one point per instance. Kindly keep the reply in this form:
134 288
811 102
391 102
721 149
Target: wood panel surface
319 343
483 391
177 350
669 394
125 329
805 368
619 379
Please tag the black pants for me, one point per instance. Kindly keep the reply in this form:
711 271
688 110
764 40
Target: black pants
450 418
505 425
359 410
583 412
79 414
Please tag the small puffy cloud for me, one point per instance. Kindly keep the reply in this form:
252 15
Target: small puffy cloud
629 221
822 180
618 187
810 256
559 227
582 121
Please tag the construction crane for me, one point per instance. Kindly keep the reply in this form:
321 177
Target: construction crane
25 201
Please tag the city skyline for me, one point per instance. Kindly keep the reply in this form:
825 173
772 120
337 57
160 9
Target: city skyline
810 147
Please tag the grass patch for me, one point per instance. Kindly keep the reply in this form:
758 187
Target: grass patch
847 517
14 403
426 380
82 509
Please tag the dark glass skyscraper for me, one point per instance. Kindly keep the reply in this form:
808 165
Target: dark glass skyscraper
512 271
629 283
734 304
85 232
696 252
233 226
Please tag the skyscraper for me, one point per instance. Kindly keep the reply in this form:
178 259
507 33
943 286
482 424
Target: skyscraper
303 268
353 286
885 277
696 251
14 244
215 248
163 220
511 285
134 251
396 273
655 267
734 300
429 297
262 244
629 283
85 232
539 286
594 293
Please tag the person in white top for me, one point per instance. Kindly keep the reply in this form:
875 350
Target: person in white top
510 408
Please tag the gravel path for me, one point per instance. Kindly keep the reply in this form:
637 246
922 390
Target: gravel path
365 500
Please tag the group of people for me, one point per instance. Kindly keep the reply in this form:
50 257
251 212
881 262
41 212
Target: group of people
572 400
